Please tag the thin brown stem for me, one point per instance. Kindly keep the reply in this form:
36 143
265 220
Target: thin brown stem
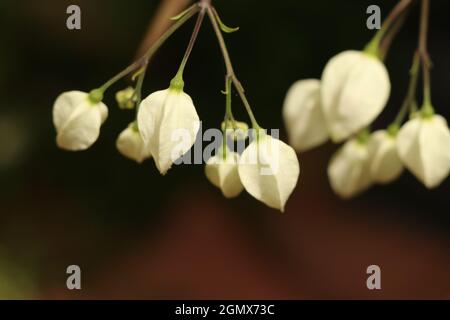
143 61
423 51
193 39
396 12
392 33
374 45
161 22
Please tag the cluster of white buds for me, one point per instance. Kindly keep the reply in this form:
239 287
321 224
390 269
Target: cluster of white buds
268 168
353 91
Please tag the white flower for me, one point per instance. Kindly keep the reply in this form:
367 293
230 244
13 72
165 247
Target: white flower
386 165
424 147
355 89
222 171
269 170
131 145
163 118
302 113
77 117
349 169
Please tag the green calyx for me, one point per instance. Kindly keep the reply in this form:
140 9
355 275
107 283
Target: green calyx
177 83
393 130
373 47
96 96
134 126
427 111
363 136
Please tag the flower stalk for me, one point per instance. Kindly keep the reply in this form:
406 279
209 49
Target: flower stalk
144 60
192 41
373 47
408 103
427 108
212 14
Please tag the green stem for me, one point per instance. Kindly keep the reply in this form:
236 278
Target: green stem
228 116
138 89
412 89
143 61
228 91
229 66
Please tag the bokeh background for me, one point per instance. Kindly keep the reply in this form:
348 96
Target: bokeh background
137 235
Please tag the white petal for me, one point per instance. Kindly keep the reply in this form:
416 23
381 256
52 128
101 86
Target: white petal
164 118
77 120
269 170
386 165
424 147
348 170
303 115
131 145
103 112
223 173
355 90
435 141
81 131
65 105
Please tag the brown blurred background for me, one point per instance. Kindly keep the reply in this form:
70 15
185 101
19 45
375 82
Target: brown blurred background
137 235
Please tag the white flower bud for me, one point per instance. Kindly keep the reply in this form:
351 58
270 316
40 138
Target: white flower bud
126 98
77 119
424 147
386 165
269 170
303 117
222 171
355 89
131 145
236 130
163 118
349 169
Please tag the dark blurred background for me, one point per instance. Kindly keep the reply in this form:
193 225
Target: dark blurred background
137 235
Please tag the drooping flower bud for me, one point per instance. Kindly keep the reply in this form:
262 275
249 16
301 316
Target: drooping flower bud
424 147
303 117
349 169
386 165
168 123
131 145
269 170
126 98
236 130
77 117
222 171
355 89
